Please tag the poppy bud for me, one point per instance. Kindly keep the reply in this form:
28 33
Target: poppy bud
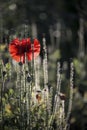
38 91
20 63
4 73
62 96
29 78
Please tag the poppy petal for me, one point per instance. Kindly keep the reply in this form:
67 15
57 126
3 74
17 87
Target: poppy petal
35 50
16 50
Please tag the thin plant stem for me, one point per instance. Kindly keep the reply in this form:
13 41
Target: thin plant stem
2 91
71 93
33 80
20 95
45 64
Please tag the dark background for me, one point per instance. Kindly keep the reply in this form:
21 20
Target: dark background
64 18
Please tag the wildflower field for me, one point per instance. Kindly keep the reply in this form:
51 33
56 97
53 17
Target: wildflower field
43 57
28 101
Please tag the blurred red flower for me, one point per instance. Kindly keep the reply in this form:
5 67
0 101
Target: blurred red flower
20 48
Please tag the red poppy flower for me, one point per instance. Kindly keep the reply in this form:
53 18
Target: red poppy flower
20 48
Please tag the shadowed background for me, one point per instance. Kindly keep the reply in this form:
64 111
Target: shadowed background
64 24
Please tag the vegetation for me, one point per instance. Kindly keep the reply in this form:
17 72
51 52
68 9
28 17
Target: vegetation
63 23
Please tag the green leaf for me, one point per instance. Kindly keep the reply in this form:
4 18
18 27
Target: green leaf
11 91
6 95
